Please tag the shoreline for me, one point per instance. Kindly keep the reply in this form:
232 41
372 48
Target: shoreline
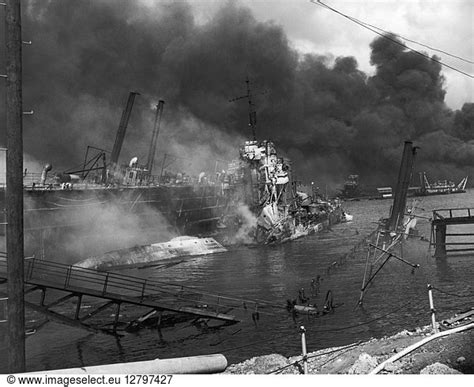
453 354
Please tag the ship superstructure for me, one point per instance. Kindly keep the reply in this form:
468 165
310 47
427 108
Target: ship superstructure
263 182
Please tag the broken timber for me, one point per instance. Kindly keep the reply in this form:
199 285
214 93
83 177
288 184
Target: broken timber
443 218
114 289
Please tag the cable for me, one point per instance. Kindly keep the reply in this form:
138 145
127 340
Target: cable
332 358
387 37
409 40
452 294
364 323
256 342
320 330
315 356
342 348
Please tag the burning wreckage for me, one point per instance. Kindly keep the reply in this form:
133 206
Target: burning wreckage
264 206
262 182
254 201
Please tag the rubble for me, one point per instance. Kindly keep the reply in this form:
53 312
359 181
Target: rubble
447 355
438 369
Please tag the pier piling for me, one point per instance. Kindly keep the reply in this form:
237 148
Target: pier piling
440 241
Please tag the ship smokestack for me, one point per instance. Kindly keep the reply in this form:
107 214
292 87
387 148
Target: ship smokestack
44 174
154 138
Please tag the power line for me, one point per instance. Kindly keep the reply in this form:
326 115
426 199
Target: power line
428 47
410 40
387 37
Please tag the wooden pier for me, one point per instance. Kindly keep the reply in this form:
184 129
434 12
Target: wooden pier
442 218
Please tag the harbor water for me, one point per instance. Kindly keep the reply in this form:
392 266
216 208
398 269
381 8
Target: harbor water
397 300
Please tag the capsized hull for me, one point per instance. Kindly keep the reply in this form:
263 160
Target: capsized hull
137 256
71 224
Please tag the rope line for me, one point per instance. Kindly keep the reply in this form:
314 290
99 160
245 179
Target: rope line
320 330
332 358
452 294
364 323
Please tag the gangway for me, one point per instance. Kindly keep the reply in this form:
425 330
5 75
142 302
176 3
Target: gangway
115 288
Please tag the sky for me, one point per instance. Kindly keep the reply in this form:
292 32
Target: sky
340 99
443 25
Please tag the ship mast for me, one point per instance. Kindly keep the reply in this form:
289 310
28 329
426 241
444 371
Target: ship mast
252 112
14 188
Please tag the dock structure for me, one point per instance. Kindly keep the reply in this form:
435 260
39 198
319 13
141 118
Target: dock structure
116 289
442 218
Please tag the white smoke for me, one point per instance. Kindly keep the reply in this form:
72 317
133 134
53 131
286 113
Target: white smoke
247 225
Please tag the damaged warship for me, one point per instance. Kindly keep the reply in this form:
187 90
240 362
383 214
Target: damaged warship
283 211
258 184
264 207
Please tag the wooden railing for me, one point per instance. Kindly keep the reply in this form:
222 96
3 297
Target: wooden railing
453 213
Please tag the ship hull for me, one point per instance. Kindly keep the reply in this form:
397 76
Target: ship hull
432 192
52 218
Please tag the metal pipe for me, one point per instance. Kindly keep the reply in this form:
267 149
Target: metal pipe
162 167
206 364
411 348
14 189
303 349
365 276
432 309
154 137
414 265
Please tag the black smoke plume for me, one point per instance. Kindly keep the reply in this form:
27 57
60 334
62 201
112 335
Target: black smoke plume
330 118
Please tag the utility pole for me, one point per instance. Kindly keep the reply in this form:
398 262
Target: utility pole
14 188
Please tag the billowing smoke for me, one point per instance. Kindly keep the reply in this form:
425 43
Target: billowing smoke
330 118
80 228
